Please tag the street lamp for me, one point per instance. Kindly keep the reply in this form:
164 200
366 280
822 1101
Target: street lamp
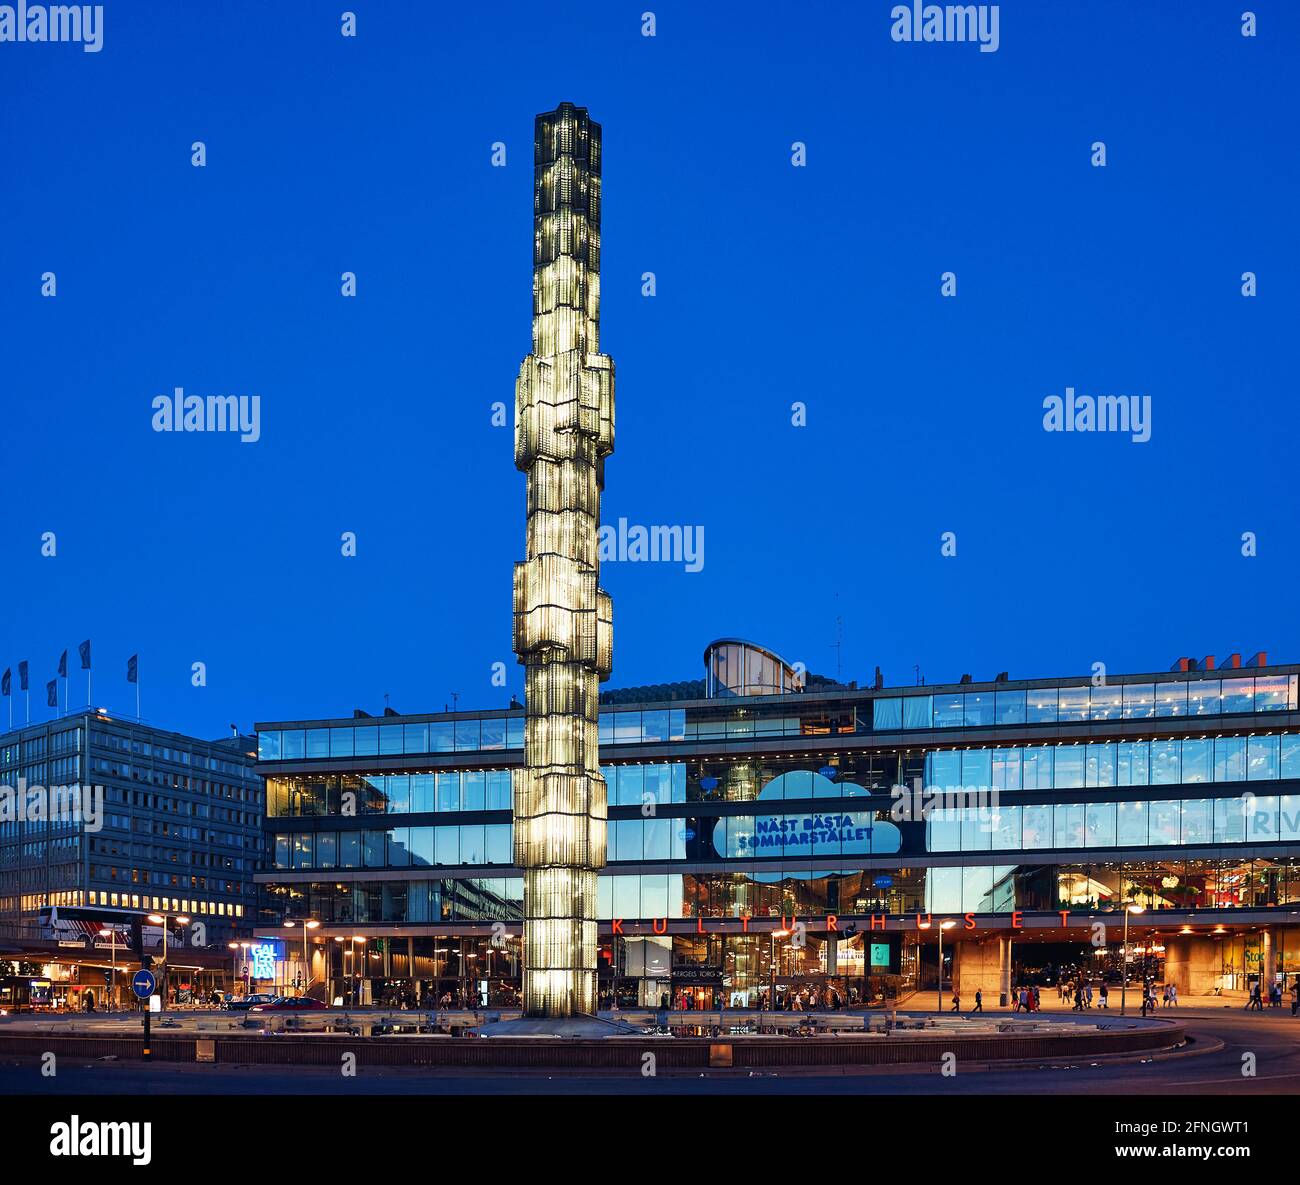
356 969
159 919
1129 907
309 924
771 966
942 927
234 965
111 935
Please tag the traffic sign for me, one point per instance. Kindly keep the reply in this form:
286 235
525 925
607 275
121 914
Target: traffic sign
143 984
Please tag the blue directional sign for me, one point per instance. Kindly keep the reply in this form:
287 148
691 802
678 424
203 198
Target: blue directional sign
143 984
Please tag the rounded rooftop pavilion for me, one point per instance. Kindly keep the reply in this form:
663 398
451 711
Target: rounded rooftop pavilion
734 666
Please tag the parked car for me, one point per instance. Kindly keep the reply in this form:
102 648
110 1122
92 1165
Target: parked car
231 1003
289 1004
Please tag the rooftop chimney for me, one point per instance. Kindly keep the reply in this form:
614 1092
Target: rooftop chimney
1258 659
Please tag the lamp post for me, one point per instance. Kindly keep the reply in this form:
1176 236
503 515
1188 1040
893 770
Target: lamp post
1129 907
771 966
160 919
356 970
942 927
308 924
111 935
234 965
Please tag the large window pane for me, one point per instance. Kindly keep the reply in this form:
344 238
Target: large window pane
979 708
415 738
1038 768
976 829
918 711
1010 707
492 733
1262 759
399 847
471 844
1037 826
1139 700
449 792
1107 703
1166 763
977 769
945 768
1134 763
1068 825
446 845
887 714
473 790
1006 827
1006 768
1238 695
1203 697
1069 767
1230 759
1198 760
1131 824
1164 821
467 735
1073 703
1099 827
1099 769
1040 705
1198 821
1261 820
1291 755
1171 699
949 711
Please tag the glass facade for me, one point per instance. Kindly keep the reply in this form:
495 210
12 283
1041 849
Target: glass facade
788 806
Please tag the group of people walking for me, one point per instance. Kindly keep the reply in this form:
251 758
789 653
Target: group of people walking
1255 1001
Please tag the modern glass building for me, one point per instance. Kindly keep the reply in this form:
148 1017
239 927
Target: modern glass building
817 840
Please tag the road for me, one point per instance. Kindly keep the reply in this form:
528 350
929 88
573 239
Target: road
1273 1038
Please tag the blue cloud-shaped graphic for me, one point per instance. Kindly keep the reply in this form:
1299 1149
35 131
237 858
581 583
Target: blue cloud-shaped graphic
859 833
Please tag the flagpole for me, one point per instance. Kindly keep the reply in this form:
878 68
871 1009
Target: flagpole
28 694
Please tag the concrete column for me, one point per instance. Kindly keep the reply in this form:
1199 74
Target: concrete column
1004 970
1268 963
1192 963
979 965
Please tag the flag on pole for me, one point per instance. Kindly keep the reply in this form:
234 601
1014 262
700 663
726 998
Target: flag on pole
22 676
133 668
4 682
52 693
84 651
63 665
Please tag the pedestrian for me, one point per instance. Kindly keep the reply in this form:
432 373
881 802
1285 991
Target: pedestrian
1038 1000
979 1000
1088 990
1254 1001
1103 993
956 1001
1295 997
1173 995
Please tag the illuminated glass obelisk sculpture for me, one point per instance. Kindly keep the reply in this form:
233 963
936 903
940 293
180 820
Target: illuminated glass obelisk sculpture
564 430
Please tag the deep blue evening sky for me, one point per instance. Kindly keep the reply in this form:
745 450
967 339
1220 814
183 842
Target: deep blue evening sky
775 284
